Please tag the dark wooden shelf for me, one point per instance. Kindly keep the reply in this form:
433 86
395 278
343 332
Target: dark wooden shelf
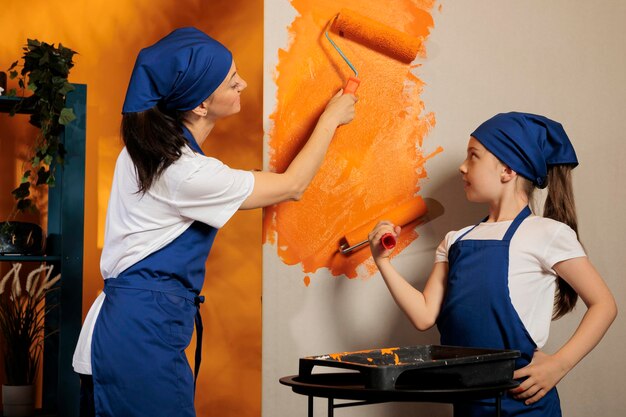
29 258
64 248
7 104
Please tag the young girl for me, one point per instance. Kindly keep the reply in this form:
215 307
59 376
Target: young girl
498 284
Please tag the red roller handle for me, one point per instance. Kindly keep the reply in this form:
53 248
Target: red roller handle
388 241
351 85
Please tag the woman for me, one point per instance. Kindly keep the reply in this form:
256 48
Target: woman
166 204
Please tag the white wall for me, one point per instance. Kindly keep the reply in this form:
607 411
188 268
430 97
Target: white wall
565 59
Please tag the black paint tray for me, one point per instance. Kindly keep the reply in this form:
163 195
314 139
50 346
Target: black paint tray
422 366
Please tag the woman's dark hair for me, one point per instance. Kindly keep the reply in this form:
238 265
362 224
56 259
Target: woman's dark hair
154 140
560 206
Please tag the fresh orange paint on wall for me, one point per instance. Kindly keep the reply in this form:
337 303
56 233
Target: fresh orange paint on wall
374 163
108 35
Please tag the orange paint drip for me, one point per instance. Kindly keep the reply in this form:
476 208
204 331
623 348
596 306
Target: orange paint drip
307 281
374 163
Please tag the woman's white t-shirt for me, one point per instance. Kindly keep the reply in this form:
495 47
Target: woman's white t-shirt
538 244
194 188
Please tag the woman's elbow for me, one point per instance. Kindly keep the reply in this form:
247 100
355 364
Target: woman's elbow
296 190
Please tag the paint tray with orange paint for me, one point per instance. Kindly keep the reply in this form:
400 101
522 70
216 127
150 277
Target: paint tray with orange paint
421 366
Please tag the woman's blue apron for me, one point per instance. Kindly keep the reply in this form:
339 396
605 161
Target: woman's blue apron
146 321
477 312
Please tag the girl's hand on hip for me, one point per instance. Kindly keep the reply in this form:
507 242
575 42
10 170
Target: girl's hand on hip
340 108
542 374
378 251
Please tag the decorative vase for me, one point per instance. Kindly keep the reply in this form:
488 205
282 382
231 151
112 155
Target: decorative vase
18 400
20 238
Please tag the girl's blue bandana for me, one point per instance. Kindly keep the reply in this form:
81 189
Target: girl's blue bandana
527 143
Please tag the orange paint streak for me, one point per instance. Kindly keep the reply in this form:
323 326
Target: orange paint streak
388 351
374 163
307 280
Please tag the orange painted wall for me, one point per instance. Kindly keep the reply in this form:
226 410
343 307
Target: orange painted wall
375 163
108 34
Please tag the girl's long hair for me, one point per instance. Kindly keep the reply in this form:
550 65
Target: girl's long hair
154 140
560 206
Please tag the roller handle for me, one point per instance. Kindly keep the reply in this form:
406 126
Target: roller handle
351 85
388 241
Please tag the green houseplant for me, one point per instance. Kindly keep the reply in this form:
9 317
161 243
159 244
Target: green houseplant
22 314
44 72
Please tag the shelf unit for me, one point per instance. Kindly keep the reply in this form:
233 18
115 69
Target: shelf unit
64 250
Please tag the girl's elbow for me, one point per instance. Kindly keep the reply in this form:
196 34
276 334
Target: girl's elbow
423 325
613 310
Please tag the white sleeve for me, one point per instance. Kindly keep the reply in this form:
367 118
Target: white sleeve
563 246
213 192
441 254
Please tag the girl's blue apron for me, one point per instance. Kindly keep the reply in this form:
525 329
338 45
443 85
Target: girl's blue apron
477 312
145 323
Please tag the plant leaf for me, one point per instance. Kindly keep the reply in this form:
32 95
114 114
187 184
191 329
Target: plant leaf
67 115
25 177
66 88
22 191
24 205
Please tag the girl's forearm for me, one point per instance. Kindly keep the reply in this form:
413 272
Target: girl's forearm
410 300
590 331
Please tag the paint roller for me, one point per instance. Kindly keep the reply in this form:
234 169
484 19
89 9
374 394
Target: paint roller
374 35
401 215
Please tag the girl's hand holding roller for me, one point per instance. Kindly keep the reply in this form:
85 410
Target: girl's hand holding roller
378 250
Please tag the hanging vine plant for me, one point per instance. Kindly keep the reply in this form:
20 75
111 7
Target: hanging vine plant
45 73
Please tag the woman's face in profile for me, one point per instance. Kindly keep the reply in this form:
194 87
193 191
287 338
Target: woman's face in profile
225 99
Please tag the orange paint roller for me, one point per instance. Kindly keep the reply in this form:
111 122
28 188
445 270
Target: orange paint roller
400 215
374 35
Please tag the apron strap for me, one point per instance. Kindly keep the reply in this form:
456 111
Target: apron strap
510 231
198 355
516 222
470 229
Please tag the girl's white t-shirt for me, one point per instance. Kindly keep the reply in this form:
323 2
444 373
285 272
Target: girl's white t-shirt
538 244
194 188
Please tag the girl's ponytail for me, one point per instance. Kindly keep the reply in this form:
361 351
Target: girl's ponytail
560 206
154 140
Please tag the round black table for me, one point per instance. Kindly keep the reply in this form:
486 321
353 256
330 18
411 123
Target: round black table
348 386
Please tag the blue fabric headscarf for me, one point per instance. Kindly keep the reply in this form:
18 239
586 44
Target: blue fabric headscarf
527 143
180 71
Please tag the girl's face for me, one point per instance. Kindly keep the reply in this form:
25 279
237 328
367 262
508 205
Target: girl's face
482 173
225 99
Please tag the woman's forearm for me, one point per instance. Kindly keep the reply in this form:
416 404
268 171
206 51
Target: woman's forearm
271 188
308 161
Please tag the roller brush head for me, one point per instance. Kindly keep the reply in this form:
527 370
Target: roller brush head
377 36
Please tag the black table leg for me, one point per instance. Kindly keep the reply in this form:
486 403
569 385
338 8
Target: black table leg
331 407
310 406
498 405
